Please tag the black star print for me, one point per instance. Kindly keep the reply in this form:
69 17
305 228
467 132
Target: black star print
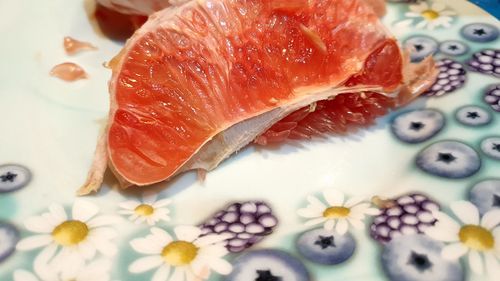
418 47
416 126
496 146
453 47
325 242
446 158
266 275
8 177
420 262
496 201
479 32
473 115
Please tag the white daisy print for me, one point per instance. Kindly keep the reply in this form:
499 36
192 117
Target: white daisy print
428 16
186 257
338 213
479 239
98 270
150 210
69 241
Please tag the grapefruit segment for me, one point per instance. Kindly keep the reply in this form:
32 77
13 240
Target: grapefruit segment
340 115
198 82
350 111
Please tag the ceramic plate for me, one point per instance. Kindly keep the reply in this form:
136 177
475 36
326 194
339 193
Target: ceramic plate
442 152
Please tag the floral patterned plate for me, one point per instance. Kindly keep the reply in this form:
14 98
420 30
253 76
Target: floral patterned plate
415 197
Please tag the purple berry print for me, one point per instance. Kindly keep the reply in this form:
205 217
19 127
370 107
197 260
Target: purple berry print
452 76
405 215
486 62
246 223
492 97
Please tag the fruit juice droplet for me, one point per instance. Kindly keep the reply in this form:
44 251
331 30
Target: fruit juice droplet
73 46
68 71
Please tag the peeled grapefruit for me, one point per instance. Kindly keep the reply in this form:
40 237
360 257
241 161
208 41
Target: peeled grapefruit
199 81
350 111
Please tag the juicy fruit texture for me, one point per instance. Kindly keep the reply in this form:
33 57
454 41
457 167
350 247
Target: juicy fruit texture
345 113
405 215
418 258
182 80
245 223
198 82
340 115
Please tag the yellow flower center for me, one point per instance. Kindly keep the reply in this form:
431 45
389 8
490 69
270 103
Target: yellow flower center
144 210
70 233
179 253
336 212
430 14
476 237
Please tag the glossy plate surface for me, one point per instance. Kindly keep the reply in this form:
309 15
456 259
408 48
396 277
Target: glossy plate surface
442 149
